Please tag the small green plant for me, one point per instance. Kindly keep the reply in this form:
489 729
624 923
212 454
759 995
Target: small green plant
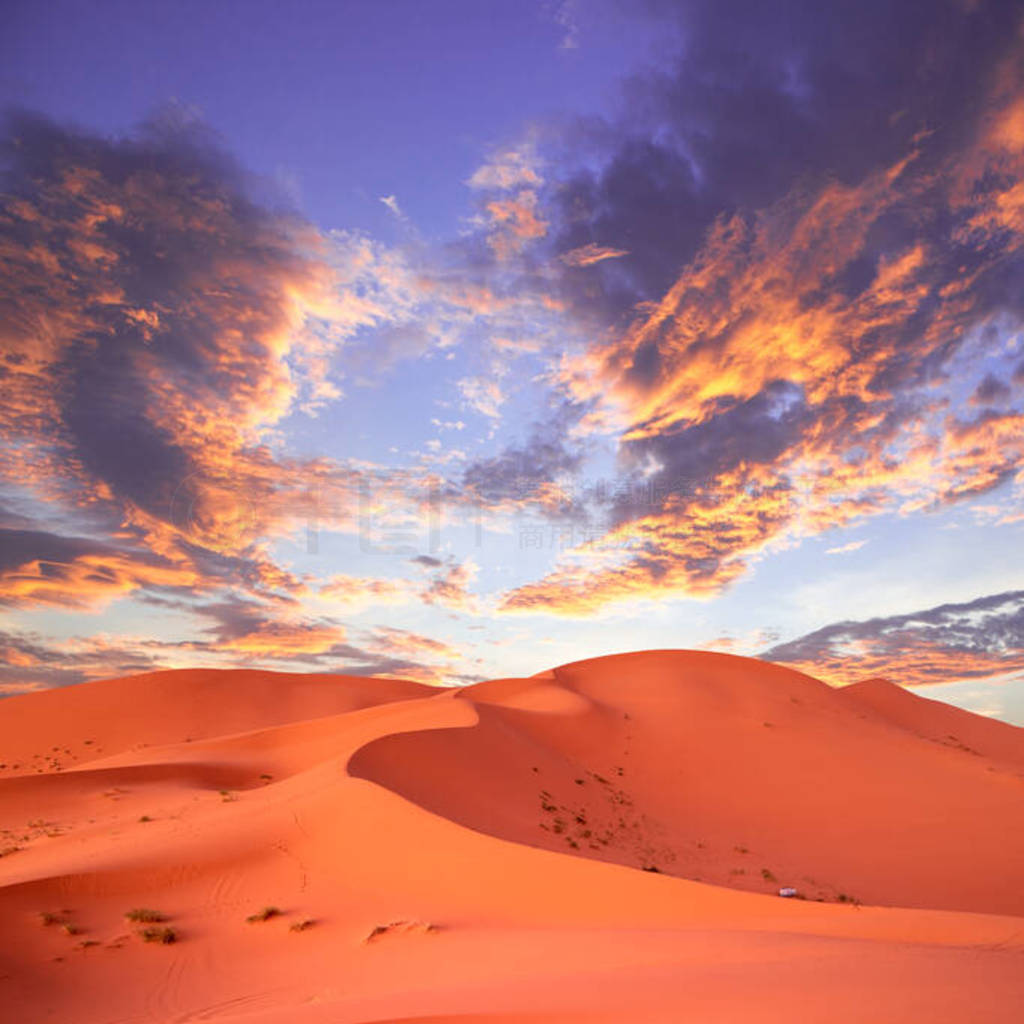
303 925
767 875
48 917
164 936
143 915
263 915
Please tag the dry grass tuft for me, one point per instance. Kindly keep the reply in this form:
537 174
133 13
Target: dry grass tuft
264 915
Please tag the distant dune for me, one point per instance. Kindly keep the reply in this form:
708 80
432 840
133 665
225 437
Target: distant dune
601 842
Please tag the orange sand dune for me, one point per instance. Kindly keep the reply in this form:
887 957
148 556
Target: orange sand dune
472 855
67 727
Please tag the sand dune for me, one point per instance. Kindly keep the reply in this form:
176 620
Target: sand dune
475 855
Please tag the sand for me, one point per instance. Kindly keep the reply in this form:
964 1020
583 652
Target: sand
601 842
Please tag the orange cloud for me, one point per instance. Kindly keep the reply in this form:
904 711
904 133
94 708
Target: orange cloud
591 253
799 374
283 639
515 223
449 587
359 592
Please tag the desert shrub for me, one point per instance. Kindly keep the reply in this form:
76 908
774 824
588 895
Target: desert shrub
263 915
164 936
303 925
143 915
767 875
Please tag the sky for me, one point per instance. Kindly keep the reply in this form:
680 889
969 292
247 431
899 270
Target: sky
457 339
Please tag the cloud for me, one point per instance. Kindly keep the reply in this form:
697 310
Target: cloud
531 473
391 202
39 568
977 639
30 661
484 394
565 15
449 587
991 391
756 100
805 368
509 169
358 592
158 326
252 629
844 549
591 253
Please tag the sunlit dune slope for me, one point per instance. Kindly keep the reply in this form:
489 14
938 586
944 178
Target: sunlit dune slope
344 803
932 719
733 771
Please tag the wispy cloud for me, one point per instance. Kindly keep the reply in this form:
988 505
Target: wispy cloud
391 202
591 253
845 549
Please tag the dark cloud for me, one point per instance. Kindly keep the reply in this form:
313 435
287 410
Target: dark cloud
147 311
19 547
974 639
690 460
426 560
530 472
37 567
991 390
761 98
29 661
